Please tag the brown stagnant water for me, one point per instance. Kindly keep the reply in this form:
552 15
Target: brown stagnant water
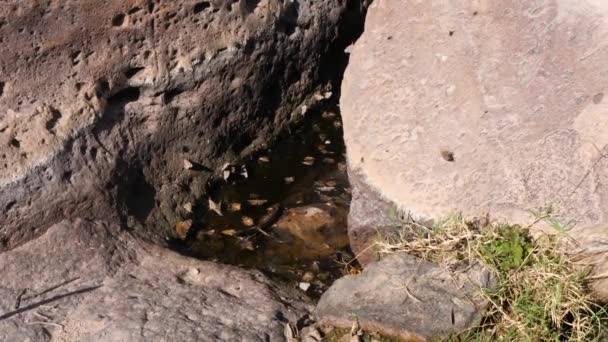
282 176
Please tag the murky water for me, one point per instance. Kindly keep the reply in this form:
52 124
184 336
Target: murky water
304 169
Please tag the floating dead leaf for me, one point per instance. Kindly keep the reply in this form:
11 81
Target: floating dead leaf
188 165
244 172
328 115
289 180
248 221
247 245
257 202
264 159
188 207
329 160
235 207
309 161
182 228
229 232
215 207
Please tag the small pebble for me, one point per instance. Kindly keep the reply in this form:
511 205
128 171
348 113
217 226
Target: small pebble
289 180
308 277
304 286
309 161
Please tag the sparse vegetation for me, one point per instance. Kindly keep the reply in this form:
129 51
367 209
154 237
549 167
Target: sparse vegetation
541 294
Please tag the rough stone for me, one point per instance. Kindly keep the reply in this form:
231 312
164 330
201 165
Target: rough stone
126 290
310 232
102 101
406 297
480 107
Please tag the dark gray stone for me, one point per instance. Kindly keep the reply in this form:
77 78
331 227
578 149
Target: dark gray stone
406 297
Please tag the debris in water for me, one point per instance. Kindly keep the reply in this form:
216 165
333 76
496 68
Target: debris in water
264 159
289 180
247 244
229 232
248 221
244 172
326 188
257 202
304 286
235 207
328 115
188 207
182 228
309 161
217 208
188 165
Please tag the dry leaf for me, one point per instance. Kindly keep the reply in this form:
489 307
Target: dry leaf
229 232
309 161
257 202
235 206
217 208
327 94
188 207
188 164
182 228
248 221
247 244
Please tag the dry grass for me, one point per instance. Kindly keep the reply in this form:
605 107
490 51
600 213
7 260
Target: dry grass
541 295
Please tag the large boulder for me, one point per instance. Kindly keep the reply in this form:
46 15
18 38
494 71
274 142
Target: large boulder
90 281
481 107
102 101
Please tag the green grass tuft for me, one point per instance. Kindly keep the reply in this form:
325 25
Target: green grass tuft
541 293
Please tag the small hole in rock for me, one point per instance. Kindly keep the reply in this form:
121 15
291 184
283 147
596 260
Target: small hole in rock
201 6
597 98
118 20
451 33
475 13
1 88
447 155
10 205
15 143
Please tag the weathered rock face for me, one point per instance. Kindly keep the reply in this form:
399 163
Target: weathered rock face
406 297
88 281
101 101
480 107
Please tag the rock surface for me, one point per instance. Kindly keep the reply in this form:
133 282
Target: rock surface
479 107
406 297
123 292
102 101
